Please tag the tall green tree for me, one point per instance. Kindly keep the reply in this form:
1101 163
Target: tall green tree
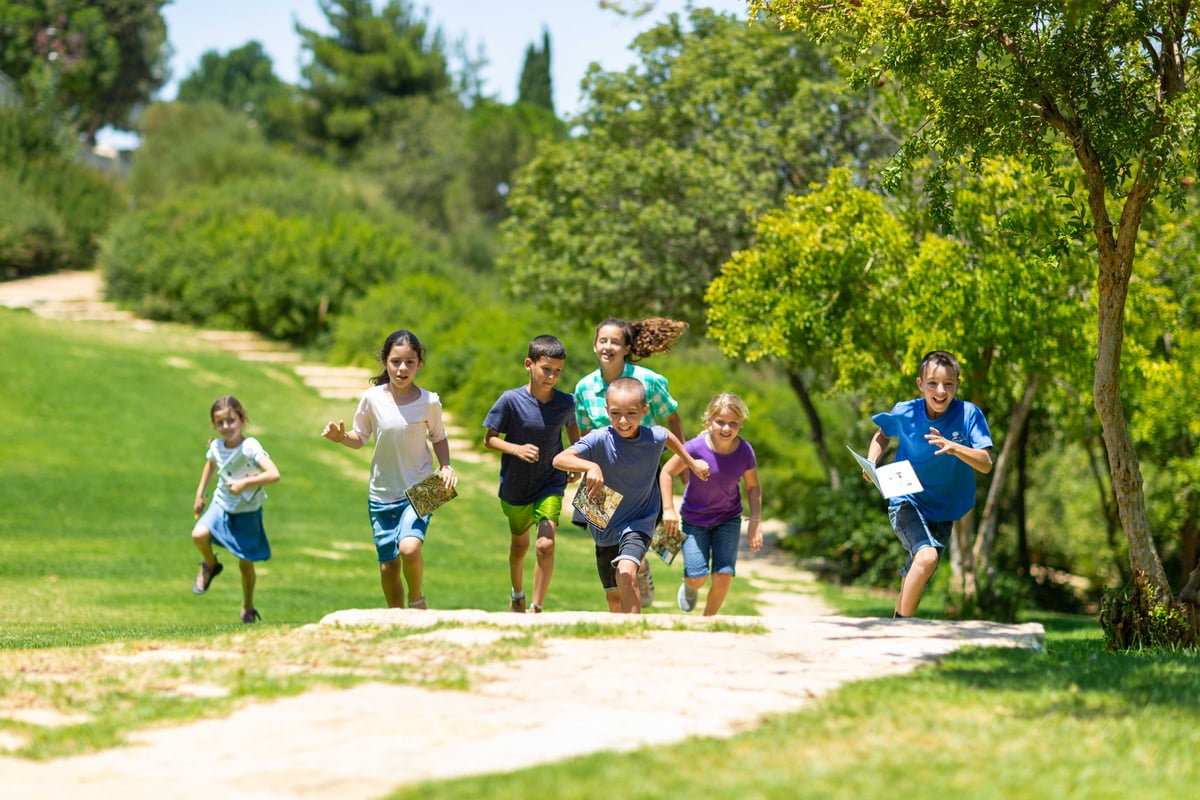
535 87
357 75
242 80
673 160
92 62
1116 82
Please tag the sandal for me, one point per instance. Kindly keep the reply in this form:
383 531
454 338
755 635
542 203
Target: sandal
205 577
251 615
419 603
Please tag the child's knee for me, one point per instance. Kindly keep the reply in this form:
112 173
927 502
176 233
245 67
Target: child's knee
200 534
926 559
410 547
626 578
545 547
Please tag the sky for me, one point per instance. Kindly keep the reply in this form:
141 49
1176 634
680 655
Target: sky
580 32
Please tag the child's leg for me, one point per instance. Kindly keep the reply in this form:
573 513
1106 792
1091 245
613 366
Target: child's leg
613 598
721 581
723 540
249 578
631 598
518 546
543 571
393 585
924 562
414 566
202 539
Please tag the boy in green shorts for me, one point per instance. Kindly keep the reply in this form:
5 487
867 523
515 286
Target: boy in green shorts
525 426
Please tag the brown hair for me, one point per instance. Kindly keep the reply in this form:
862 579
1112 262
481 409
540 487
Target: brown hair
231 403
648 336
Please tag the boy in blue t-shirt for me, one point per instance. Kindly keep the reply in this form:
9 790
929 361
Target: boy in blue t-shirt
624 455
531 420
947 441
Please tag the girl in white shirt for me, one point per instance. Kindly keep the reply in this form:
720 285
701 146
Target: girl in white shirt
402 417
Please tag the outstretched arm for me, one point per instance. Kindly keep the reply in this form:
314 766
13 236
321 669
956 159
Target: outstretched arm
978 459
336 432
666 487
698 467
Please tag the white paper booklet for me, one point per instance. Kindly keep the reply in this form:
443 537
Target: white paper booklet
892 479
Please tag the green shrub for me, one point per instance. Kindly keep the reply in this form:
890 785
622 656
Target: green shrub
277 256
31 232
848 527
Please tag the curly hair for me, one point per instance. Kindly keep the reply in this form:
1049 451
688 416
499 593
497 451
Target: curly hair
648 336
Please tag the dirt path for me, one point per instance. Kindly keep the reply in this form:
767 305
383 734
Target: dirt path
576 696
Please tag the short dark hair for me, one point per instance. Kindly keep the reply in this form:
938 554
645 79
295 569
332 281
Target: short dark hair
630 385
938 358
546 346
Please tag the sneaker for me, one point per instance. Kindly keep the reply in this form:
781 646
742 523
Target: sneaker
419 603
251 615
645 584
516 604
205 577
536 609
687 597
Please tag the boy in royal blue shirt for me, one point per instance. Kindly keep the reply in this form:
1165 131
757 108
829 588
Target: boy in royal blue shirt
947 441
624 455
525 426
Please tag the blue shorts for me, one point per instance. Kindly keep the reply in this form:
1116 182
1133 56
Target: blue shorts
240 534
915 533
711 545
392 522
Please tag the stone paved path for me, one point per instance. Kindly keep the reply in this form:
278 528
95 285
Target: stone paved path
576 696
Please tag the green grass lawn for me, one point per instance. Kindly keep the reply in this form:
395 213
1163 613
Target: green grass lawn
105 429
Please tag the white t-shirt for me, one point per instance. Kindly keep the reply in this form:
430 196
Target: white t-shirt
232 464
401 456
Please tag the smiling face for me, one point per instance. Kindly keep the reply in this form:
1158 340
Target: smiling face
937 383
626 410
228 425
402 364
610 345
723 427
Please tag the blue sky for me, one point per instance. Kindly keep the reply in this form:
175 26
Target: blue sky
580 32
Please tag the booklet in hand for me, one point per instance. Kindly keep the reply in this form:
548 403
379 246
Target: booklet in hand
892 479
667 545
597 512
430 494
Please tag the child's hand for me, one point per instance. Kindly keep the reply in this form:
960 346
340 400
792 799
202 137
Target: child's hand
198 506
449 477
754 535
935 438
670 521
335 431
594 481
236 486
527 453
701 469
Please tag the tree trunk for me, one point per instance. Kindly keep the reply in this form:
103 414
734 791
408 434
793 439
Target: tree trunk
818 430
1116 266
990 521
1024 562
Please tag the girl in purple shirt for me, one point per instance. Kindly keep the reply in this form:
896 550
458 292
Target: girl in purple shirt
712 509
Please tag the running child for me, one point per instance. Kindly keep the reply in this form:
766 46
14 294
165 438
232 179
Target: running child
234 519
402 417
947 441
624 456
712 509
525 425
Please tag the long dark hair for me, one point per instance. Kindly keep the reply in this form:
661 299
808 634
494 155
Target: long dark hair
646 337
401 337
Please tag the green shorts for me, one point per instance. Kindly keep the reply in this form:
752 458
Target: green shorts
522 518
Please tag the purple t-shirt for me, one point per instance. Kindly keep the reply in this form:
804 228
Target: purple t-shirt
711 502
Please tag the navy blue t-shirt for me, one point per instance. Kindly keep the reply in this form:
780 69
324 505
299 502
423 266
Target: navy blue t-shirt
523 419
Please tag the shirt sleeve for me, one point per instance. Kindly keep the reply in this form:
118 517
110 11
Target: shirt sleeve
658 396
497 417
364 420
437 430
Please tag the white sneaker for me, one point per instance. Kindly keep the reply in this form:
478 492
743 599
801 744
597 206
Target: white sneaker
645 584
687 597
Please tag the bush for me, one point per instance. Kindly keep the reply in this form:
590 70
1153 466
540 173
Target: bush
1134 619
31 233
271 255
849 528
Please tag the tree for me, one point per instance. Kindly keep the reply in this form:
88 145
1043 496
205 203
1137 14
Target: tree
535 86
242 80
93 63
358 74
672 161
1115 82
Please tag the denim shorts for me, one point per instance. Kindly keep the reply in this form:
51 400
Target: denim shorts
915 533
392 522
714 546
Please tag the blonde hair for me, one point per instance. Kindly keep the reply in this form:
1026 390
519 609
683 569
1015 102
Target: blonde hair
726 401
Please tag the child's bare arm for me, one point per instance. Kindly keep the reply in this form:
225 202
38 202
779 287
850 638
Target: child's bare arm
754 501
875 450
570 461
269 474
699 468
666 487
525 452
336 432
978 459
205 476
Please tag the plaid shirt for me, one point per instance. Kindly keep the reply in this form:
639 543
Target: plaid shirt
592 413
